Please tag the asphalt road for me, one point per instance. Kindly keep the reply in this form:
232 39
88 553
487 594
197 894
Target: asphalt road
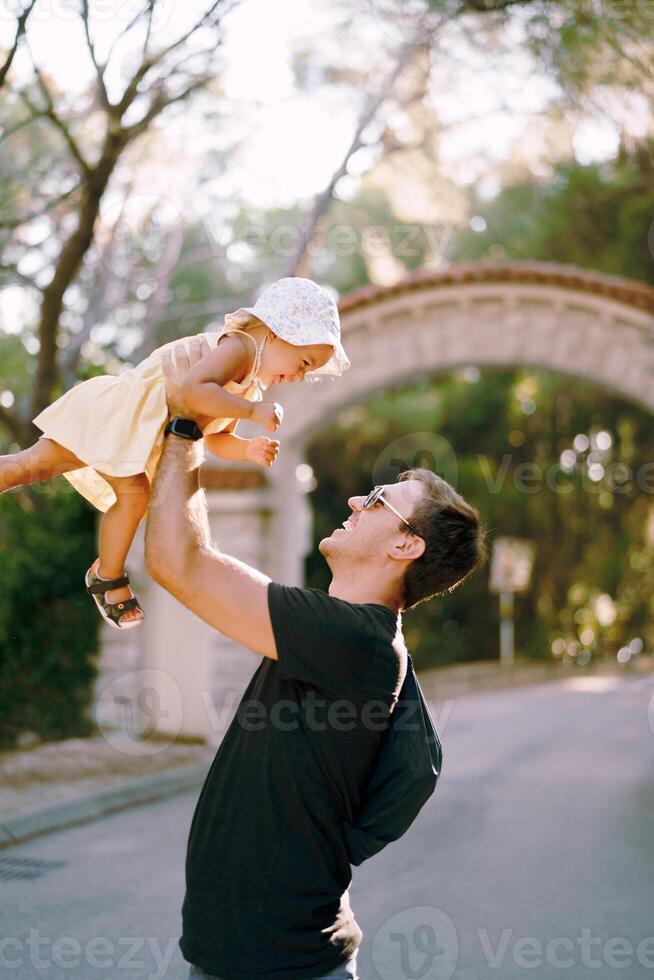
534 858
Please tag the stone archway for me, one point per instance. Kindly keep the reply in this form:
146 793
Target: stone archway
553 317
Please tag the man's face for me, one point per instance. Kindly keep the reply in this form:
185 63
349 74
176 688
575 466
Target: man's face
370 533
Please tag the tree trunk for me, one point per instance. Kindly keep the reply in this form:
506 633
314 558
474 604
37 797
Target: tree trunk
70 260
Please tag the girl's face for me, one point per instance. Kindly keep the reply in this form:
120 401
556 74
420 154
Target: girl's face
283 362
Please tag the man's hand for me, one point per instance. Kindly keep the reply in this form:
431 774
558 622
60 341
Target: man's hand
262 450
268 414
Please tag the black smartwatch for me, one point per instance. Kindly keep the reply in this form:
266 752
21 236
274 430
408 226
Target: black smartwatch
186 428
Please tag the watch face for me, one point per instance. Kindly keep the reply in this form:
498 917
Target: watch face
185 427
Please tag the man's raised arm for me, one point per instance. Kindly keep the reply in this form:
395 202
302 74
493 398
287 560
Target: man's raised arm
226 593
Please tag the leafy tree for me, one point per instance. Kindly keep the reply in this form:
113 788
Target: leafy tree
597 216
91 143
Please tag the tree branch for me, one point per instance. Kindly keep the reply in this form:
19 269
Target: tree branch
207 16
148 29
135 19
99 69
148 63
21 25
51 113
8 131
12 270
13 223
160 102
489 6
322 199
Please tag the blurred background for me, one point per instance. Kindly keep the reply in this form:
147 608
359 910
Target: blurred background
158 169
473 182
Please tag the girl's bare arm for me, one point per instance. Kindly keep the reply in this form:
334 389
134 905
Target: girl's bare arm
226 444
202 389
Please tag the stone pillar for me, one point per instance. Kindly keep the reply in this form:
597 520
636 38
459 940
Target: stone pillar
172 645
289 538
239 521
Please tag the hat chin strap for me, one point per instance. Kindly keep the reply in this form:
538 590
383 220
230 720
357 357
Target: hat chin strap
260 354
257 363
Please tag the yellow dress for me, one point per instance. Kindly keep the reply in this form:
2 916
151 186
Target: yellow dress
115 424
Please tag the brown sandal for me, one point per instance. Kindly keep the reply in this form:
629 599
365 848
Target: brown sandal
112 612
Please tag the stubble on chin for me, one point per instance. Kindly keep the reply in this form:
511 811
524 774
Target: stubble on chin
325 546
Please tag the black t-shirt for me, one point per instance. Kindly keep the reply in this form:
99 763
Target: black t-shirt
267 871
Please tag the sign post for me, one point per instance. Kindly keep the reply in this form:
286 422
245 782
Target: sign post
511 566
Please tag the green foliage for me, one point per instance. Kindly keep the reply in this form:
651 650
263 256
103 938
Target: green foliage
591 539
598 217
48 624
587 47
15 369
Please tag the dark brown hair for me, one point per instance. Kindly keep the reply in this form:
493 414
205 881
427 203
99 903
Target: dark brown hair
454 538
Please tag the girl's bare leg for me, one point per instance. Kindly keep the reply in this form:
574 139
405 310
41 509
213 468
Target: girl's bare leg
45 459
118 526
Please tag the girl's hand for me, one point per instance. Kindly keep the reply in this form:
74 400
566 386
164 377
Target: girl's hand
262 450
268 414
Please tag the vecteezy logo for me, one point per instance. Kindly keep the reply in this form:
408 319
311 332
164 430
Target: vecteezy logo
417 943
140 712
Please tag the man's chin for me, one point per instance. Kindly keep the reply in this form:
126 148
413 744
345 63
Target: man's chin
324 545
327 544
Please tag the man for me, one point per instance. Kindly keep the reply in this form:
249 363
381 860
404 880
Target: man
267 871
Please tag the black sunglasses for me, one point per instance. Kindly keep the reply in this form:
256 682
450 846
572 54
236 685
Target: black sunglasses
377 494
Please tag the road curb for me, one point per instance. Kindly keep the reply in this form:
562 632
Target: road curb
22 826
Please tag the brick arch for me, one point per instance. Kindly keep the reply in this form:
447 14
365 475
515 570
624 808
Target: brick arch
548 316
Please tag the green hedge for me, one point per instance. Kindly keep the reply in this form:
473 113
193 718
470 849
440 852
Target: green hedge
48 624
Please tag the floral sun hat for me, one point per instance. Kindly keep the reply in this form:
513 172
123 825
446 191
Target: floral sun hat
301 312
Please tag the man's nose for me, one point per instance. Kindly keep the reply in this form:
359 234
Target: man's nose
355 503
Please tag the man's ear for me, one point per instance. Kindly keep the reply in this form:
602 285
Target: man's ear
407 547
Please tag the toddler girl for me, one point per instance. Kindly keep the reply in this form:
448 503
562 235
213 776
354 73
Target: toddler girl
105 435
